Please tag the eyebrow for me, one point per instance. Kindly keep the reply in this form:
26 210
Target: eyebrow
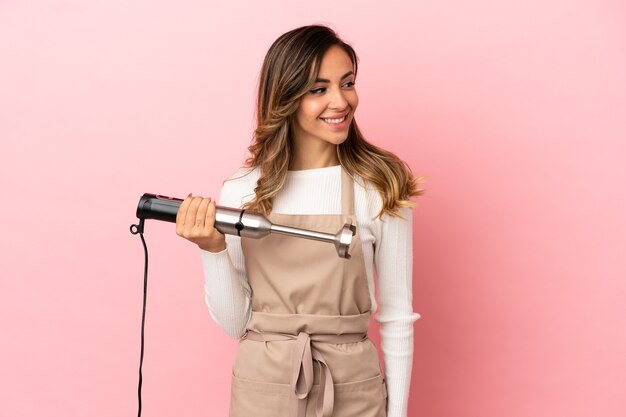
324 80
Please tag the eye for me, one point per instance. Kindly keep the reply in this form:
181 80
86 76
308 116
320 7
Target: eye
351 83
318 90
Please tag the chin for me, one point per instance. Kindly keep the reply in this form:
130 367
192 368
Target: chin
338 141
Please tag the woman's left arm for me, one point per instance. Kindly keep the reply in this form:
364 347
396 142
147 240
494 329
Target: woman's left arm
393 257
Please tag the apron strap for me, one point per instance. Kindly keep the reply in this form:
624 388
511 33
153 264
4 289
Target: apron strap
302 368
347 193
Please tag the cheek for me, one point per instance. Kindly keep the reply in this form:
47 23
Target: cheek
310 109
354 100
301 116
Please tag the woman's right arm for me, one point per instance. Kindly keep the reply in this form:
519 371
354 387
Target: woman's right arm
227 292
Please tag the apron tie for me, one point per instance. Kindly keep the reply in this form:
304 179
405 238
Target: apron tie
302 368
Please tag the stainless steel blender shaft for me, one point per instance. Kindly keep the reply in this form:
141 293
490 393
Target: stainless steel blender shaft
255 225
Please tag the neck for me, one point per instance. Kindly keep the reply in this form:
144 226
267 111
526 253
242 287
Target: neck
313 156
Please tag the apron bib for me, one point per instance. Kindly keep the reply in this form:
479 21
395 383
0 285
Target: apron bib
305 352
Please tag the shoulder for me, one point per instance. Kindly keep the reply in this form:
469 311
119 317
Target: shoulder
368 197
238 188
243 174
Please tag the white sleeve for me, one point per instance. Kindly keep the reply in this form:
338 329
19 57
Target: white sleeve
227 292
393 257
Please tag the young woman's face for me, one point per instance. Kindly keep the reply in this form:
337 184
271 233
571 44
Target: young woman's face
326 110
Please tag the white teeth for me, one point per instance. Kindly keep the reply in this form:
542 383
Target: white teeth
334 121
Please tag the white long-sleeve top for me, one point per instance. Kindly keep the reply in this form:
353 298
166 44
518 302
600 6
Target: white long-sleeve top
387 244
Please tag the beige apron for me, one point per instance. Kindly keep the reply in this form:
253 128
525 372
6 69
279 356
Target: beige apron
306 352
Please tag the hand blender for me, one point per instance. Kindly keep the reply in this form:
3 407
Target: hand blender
240 222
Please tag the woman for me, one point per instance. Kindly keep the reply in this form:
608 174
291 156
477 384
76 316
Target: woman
302 312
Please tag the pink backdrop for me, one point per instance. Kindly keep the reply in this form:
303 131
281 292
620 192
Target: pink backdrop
516 112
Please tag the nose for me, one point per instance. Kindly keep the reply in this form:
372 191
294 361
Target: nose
337 99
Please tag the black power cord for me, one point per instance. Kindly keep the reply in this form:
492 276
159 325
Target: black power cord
138 229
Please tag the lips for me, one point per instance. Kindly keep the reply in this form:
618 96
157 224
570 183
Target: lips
338 116
335 120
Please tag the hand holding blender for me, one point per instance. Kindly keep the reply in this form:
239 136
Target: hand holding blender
195 221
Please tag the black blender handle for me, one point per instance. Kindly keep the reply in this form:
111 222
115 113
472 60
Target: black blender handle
159 207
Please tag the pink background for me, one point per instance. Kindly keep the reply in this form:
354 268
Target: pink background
516 112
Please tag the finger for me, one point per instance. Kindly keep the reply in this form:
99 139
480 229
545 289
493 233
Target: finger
201 214
182 211
190 217
209 221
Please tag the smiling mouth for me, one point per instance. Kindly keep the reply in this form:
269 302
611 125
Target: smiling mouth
334 121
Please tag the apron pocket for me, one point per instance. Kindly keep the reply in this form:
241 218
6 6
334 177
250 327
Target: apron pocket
366 398
259 399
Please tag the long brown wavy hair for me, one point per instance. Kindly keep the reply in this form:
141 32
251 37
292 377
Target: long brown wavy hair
288 72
